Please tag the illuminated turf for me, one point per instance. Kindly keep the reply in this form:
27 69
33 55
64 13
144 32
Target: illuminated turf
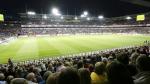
38 47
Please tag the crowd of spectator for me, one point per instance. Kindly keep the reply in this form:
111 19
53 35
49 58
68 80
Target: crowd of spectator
120 66
71 30
54 29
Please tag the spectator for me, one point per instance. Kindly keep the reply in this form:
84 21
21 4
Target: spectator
38 76
84 76
91 68
143 65
80 65
118 74
45 76
19 81
69 76
124 59
9 78
31 78
99 75
2 77
52 79
134 57
60 67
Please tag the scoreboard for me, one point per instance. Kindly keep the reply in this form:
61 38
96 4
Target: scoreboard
1 17
140 18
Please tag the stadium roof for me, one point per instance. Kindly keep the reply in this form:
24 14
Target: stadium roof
108 8
138 2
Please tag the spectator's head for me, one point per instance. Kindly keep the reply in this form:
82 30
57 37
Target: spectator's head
9 78
132 69
46 74
30 77
80 65
91 67
123 58
2 76
143 63
105 61
69 76
31 69
100 68
137 50
84 76
134 56
52 78
49 67
19 81
118 74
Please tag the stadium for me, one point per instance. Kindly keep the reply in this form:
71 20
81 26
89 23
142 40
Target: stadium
74 49
40 36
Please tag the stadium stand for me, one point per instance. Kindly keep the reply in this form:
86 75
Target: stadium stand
37 25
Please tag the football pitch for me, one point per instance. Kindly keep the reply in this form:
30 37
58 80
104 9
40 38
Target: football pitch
29 48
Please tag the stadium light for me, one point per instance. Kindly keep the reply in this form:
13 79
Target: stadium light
76 18
85 13
128 18
31 13
88 18
100 17
45 17
82 15
62 17
56 12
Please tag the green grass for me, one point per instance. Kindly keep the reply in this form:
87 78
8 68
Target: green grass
29 48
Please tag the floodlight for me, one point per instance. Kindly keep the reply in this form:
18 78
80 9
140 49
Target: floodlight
88 18
45 17
31 13
62 17
82 15
56 12
100 17
76 18
85 13
128 18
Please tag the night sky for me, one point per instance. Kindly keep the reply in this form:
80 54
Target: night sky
108 8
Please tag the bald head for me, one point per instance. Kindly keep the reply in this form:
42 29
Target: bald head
19 81
2 76
30 76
